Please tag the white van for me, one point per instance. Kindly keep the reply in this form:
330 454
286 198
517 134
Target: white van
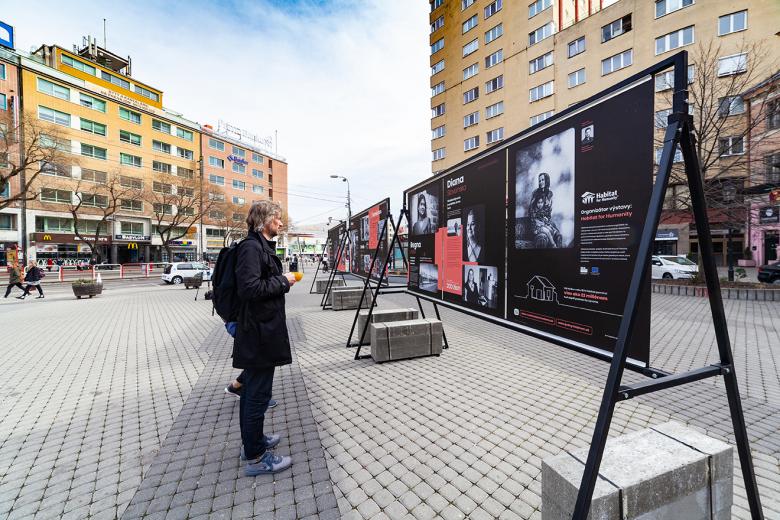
178 271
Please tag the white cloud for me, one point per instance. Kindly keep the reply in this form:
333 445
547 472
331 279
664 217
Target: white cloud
345 86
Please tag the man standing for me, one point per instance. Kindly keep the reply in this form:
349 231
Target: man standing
261 342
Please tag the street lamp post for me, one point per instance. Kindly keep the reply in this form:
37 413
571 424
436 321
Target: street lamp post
349 200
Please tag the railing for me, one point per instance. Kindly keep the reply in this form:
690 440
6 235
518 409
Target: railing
68 273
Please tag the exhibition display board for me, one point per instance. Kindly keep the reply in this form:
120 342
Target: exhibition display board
367 239
542 231
335 235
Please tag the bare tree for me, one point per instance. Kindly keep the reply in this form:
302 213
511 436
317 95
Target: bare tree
723 123
28 150
178 202
230 218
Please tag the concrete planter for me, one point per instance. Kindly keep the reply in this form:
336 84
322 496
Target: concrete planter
751 294
87 289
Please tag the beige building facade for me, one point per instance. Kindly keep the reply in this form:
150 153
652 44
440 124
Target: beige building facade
500 66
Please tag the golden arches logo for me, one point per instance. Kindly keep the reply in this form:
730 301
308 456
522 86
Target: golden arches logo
132 245
46 237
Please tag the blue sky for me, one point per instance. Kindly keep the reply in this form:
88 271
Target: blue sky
345 83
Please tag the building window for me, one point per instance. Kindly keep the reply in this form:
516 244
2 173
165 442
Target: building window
542 62
470 24
78 65
538 118
494 84
93 127
664 7
256 188
258 174
93 200
674 40
665 80
64 225
471 143
495 135
129 115
438 132
494 33
256 157
92 102
161 126
470 119
93 151
437 24
145 92
576 47
576 78
159 146
239 168
216 214
662 118
470 47
439 154
115 80
538 6
542 91
773 114
239 152
436 4
616 28
731 146
94 176
678 156
437 89
185 191
496 109
211 232
465 4
437 111
130 160
132 228
239 200
470 95
185 173
163 209
132 205
471 70
216 162
545 31
772 168
216 145
494 59
7 222
730 106
493 8
730 65
2 71
131 182
161 167
437 46
218 196
437 67
216 179
52 89
129 137
184 153
53 116
239 185
732 23
617 62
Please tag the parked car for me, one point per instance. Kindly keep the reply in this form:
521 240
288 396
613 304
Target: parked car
769 273
176 272
673 267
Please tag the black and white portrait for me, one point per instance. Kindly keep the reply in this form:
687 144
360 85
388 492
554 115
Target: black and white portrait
424 212
470 285
544 193
429 277
480 285
474 241
454 227
587 135
364 228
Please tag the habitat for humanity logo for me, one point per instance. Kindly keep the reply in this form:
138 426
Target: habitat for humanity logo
602 196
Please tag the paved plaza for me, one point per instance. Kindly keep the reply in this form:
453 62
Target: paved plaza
114 408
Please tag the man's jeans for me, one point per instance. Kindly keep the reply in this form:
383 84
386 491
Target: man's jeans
255 394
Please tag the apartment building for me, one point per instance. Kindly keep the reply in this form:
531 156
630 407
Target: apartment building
9 217
499 66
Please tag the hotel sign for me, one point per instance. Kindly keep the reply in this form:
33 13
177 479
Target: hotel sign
237 159
133 238
769 215
121 98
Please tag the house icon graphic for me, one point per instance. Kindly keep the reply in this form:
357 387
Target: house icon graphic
541 289
588 197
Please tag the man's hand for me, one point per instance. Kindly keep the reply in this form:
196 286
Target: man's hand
290 278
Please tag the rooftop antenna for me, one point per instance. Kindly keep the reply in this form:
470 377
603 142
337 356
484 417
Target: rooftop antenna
104 33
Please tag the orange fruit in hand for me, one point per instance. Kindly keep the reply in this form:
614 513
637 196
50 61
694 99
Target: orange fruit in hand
298 276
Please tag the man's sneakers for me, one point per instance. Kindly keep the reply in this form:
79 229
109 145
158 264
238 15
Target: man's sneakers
267 464
235 392
271 441
272 403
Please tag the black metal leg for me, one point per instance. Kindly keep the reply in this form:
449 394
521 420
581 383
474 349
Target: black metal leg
443 334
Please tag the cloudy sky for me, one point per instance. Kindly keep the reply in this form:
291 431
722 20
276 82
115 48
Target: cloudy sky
344 82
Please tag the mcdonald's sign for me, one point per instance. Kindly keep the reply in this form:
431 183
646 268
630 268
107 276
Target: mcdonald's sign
132 245
47 238
774 195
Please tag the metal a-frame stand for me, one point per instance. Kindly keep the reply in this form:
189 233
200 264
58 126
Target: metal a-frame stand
322 255
678 132
335 271
386 289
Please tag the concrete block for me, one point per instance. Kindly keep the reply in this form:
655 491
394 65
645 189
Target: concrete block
321 285
345 298
384 315
664 472
391 341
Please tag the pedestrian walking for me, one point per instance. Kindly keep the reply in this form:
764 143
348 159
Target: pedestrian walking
294 263
32 279
49 263
261 342
14 279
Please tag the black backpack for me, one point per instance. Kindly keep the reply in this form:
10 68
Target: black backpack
224 297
